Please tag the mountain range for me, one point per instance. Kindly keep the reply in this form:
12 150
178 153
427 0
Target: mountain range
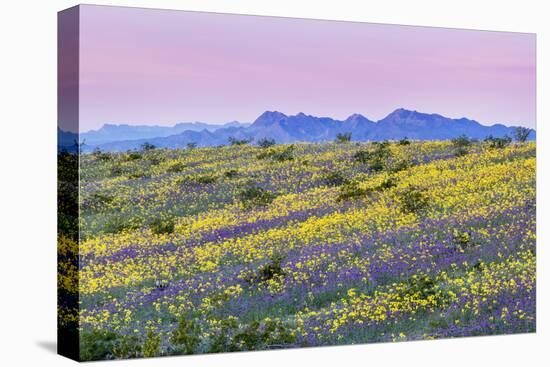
293 128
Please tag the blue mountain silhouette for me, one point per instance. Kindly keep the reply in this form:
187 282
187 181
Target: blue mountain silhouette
296 128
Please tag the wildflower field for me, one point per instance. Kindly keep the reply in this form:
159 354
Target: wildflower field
244 247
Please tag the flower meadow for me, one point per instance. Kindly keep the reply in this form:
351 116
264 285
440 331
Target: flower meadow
246 247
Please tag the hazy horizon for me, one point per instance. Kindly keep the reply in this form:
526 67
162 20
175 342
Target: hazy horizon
162 67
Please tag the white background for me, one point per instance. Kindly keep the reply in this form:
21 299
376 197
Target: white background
28 181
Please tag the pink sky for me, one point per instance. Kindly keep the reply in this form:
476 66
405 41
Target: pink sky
143 66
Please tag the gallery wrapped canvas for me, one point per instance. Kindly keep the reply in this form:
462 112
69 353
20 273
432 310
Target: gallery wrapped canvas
237 183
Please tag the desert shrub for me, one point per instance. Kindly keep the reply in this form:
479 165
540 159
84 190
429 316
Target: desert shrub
334 179
119 224
497 143
413 200
266 142
116 170
461 144
186 335
522 133
156 161
163 225
197 179
97 344
351 191
421 285
176 167
148 146
231 173
424 287
281 154
387 184
133 156
127 346
234 141
286 154
206 179
138 174
362 156
382 146
191 145
375 158
222 339
273 268
255 196
151 345
268 334
101 156
343 138
462 241
98 199
404 141
399 165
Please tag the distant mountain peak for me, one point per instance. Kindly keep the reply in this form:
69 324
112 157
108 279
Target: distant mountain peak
269 118
356 117
272 114
401 113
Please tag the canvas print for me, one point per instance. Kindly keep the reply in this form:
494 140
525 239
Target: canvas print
239 183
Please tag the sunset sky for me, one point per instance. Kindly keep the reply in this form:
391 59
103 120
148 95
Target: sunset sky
141 66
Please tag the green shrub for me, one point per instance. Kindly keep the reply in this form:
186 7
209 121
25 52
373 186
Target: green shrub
266 142
497 143
151 345
101 156
138 174
351 191
205 179
400 165
128 346
522 133
256 335
97 345
387 184
280 154
462 240
116 170
186 335
342 138
404 141
273 268
334 179
462 145
255 196
147 146
375 158
362 156
118 224
163 225
98 199
232 173
422 286
237 142
176 167
133 156
191 145
413 200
